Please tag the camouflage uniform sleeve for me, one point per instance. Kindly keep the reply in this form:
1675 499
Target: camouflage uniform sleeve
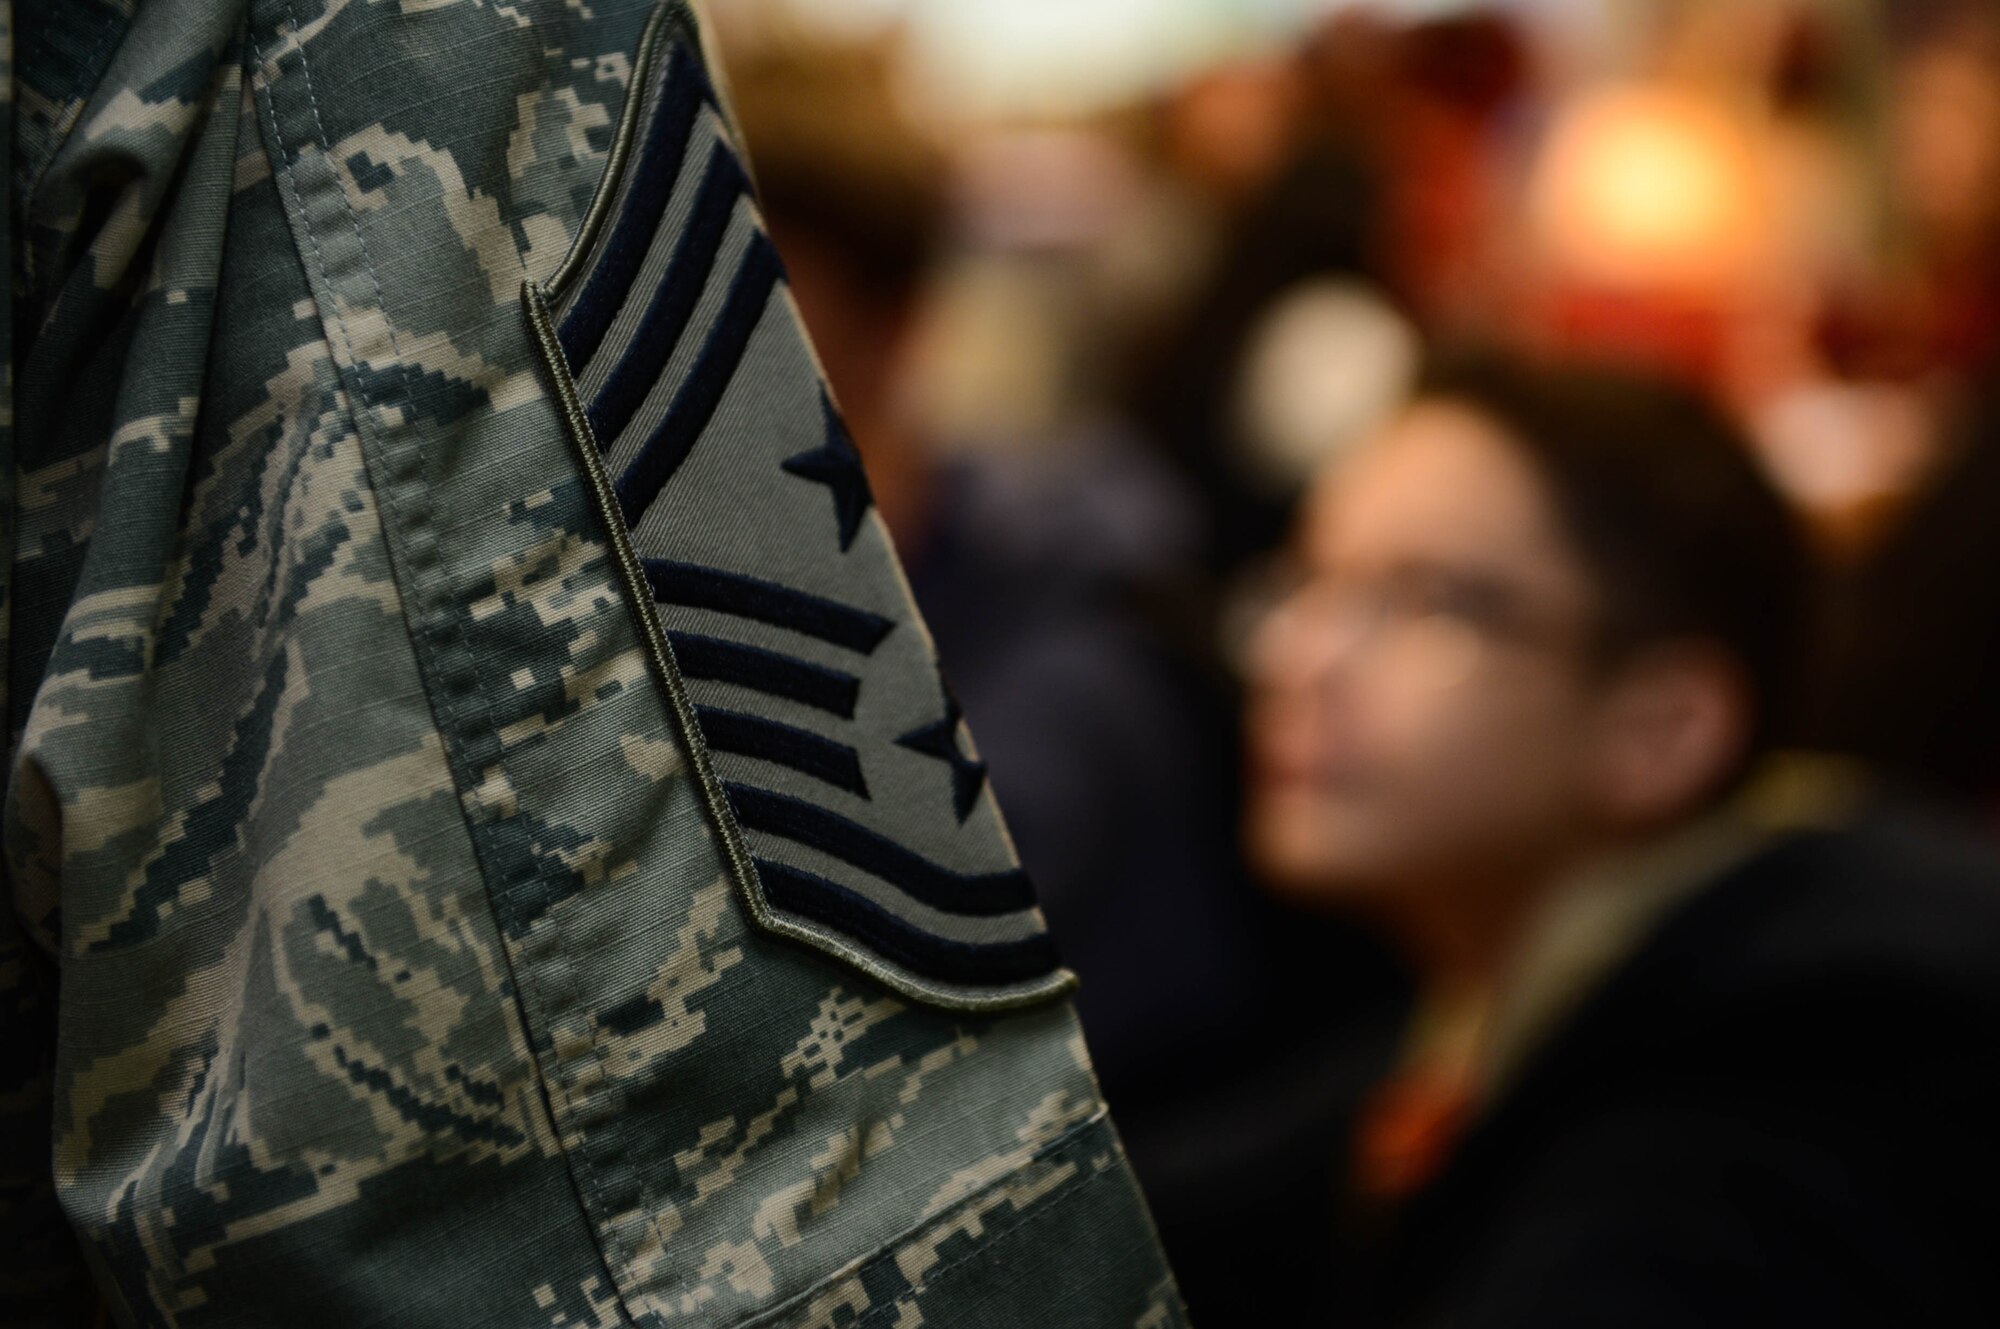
507 850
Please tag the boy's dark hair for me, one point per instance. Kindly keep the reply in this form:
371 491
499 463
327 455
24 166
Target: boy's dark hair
1676 524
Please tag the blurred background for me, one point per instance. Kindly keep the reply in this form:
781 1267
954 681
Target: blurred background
1102 283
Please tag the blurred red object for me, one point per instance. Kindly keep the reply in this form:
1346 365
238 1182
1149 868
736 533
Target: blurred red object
1407 1129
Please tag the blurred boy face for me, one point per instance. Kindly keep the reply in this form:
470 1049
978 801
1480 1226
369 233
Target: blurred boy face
1423 707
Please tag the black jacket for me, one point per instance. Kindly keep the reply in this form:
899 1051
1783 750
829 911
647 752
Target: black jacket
1784 1110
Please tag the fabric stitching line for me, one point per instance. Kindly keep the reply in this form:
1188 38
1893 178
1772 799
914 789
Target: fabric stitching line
283 169
564 400
402 363
455 640
647 1193
592 1109
305 217
771 1316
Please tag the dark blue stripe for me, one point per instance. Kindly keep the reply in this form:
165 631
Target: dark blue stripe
811 896
644 358
695 404
732 593
854 844
800 749
652 177
765 671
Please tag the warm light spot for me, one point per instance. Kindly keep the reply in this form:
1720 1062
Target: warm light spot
1650 187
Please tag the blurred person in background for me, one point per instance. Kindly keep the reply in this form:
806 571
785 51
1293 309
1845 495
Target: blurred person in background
1233 1035
1704 1031
1384 187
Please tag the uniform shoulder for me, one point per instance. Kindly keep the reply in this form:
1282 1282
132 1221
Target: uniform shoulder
1878 942
1893 887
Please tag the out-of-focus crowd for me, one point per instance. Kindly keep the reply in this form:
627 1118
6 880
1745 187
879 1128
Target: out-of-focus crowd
1468 554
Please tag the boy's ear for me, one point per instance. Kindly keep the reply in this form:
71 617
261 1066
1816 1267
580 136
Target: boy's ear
1673 725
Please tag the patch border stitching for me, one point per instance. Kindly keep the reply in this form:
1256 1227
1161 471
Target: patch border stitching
672 15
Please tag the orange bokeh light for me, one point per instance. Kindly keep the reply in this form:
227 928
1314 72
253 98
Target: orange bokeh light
1650 188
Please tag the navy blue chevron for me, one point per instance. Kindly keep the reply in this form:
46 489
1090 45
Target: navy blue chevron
694 405
694 587
812 896
653 175
642 358
768 672
786 745
794 819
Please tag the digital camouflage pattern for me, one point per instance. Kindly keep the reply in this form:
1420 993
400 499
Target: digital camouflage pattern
372 957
